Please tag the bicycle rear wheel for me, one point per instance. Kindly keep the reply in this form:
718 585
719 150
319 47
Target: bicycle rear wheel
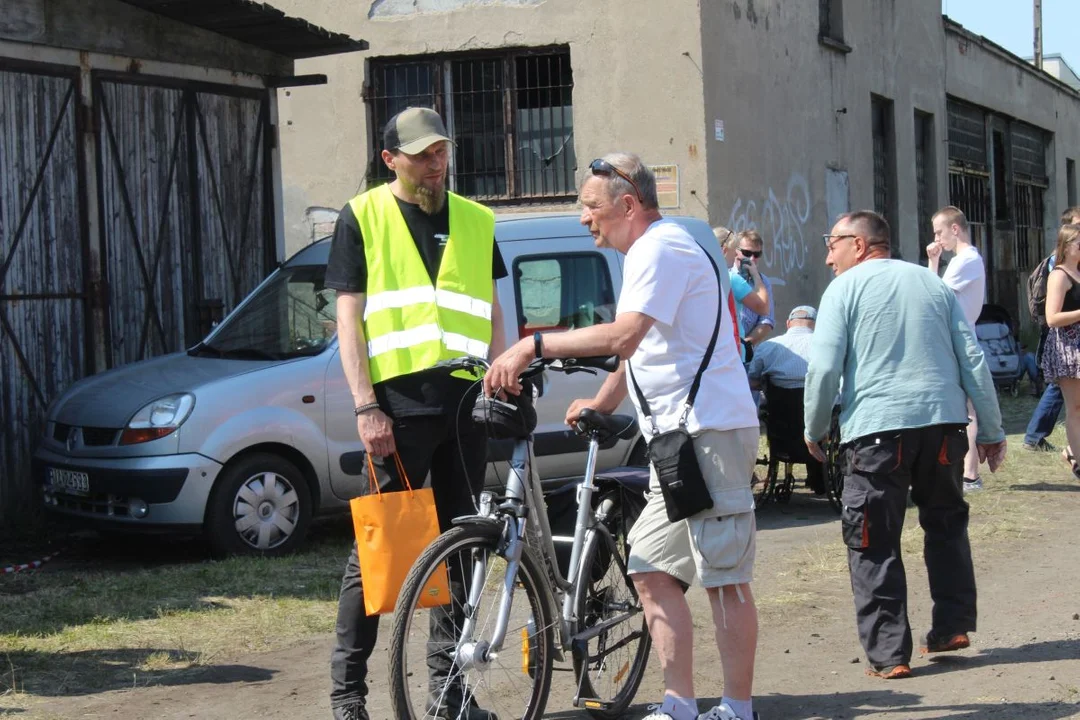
434 672
609 661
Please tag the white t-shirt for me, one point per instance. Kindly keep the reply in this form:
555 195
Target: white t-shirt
668 277
966 277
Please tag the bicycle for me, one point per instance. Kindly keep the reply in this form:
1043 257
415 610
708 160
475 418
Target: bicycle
513 611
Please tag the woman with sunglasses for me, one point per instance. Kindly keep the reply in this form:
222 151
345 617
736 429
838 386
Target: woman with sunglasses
1061 354
751 293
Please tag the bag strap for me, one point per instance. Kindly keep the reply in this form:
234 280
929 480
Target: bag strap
374 486
696 385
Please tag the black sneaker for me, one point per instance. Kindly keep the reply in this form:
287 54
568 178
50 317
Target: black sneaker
352 711
1041 446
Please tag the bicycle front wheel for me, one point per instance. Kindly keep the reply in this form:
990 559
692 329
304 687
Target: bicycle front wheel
441 662
610 654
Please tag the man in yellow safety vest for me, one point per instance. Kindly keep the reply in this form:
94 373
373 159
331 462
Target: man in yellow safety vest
414 268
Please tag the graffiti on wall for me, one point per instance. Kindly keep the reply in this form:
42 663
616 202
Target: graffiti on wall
781 220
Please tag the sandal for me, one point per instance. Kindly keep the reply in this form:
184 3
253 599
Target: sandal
1071 459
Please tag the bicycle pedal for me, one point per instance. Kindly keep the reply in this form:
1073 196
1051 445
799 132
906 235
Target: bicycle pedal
592 704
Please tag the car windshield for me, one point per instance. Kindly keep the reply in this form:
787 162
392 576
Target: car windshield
292 315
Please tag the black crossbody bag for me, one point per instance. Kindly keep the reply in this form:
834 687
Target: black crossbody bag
672 453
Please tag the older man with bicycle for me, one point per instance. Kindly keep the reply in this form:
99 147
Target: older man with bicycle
671 290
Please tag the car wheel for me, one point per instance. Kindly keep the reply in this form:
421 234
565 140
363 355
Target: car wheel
260 505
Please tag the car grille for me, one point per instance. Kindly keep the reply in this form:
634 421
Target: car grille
96 503
91 436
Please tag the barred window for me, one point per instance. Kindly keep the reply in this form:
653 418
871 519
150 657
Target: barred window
884 148
510 115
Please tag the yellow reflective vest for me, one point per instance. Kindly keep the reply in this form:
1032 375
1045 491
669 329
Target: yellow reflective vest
409 323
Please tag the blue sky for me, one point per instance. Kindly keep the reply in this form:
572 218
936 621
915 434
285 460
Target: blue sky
1010 24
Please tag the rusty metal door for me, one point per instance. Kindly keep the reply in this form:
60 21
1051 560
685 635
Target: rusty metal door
184 194
44 327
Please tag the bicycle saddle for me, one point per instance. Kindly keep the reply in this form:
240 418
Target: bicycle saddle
623 426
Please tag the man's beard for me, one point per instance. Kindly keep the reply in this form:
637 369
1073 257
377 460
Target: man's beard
430 201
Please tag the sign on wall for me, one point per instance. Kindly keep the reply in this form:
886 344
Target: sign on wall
667 185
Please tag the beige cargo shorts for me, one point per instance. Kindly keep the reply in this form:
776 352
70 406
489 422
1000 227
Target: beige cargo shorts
716 545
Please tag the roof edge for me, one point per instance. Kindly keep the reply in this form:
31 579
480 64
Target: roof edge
952 26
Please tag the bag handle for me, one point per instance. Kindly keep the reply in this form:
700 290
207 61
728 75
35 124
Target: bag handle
372 485
696 385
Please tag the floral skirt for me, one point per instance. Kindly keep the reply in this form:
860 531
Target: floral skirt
1061 353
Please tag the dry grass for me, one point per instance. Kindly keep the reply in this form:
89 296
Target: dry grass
65 631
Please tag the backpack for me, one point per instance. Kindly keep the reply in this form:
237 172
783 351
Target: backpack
1037 291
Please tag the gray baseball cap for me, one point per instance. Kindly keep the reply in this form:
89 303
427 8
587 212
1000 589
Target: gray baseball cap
803 312
414 130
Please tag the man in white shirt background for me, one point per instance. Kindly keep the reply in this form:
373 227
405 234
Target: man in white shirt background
965 275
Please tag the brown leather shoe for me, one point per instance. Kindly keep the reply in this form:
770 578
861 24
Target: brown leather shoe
896 672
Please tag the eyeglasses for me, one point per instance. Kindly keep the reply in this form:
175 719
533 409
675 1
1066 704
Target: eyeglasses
750 253
602 167
831 240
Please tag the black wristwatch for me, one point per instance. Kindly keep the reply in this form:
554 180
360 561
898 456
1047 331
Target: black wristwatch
538 344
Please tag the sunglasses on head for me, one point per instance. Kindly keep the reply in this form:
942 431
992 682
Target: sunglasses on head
750 253
602 167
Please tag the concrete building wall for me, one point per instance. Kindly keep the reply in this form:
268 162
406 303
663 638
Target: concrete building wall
796 113
637 85
984 74
771 128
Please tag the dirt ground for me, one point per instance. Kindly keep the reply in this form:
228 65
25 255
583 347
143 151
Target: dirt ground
1024 661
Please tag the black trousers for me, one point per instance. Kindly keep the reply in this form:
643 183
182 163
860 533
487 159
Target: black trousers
879 471
428 444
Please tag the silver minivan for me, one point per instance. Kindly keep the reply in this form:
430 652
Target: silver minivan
248 435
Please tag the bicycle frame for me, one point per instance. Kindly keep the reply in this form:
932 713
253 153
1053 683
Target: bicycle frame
523 501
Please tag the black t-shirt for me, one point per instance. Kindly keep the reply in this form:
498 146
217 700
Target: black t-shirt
422 393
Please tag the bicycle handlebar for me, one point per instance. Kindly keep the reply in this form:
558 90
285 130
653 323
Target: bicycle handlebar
608 363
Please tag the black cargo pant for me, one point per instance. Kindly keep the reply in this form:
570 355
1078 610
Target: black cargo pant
456 465
879 471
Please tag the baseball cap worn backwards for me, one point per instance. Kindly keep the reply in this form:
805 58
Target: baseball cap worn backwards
414 130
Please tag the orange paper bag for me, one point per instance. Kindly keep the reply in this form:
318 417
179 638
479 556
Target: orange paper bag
392 529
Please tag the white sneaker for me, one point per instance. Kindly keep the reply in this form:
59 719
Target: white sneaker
723 712
973 486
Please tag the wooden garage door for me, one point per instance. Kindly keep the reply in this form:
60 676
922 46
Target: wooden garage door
44 335
184 190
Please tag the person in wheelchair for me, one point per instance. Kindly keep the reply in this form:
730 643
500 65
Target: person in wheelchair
778 368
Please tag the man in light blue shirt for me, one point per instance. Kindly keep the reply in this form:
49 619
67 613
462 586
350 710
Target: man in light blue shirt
781 363
783 359
898 338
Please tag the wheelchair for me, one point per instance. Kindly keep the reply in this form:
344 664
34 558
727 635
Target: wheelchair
782 415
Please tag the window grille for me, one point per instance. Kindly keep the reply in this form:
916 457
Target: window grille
1030 236
924 169
510 115
969 190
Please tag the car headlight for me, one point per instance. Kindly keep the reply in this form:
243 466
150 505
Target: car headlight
158 419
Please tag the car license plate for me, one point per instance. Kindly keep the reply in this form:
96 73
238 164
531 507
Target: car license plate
72 482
